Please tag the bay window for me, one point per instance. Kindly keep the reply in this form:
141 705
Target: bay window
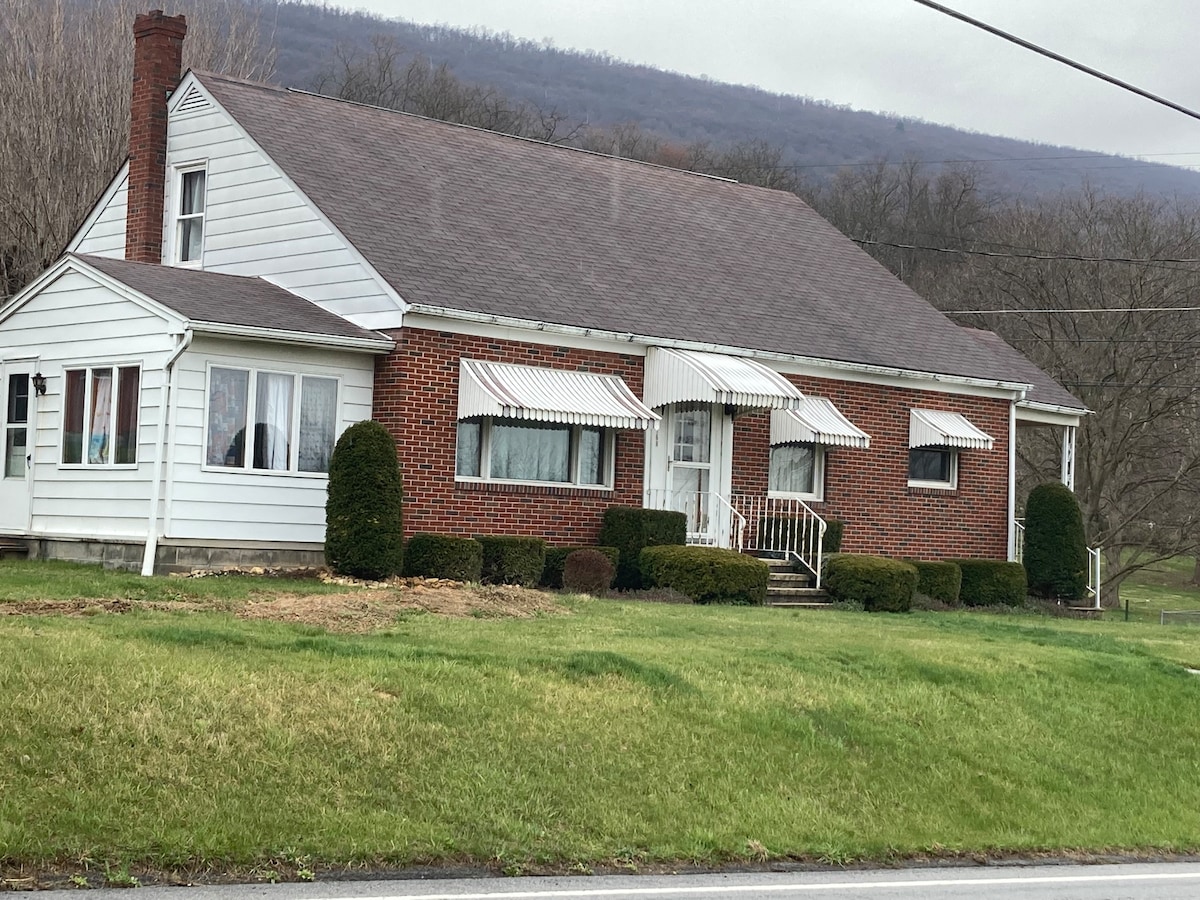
100 416
270 421
495 449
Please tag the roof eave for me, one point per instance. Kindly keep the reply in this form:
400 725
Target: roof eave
303 338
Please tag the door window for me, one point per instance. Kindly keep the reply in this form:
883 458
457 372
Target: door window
16 425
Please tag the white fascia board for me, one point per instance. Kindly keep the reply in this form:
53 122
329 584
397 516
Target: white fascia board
281 336
387 288
100 205
1049 414
786 363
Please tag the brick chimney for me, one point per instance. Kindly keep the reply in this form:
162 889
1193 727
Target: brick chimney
157 64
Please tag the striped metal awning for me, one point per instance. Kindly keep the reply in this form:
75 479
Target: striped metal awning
691 376
934 428
510 391
817 421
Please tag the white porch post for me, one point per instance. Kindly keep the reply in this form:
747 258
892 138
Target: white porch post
1067 473
1012 481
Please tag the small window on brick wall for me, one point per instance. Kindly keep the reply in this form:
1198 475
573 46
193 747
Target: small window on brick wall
534 452
933 467
797 470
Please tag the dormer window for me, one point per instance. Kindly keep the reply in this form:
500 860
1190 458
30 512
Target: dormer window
189 226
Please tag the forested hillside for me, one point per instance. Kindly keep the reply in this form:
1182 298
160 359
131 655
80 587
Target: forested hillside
815 136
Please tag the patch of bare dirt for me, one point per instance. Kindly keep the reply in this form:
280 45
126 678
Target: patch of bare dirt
353 612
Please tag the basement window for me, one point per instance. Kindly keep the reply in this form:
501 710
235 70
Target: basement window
189 224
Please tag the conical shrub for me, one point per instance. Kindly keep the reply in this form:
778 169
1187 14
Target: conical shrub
364 534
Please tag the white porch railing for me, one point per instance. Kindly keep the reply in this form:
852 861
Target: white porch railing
711 519
787 527
1093 574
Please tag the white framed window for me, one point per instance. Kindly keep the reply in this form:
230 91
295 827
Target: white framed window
100 416
494 449
797 470
189 218
933 467
264 421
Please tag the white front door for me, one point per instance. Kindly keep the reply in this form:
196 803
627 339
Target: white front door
16 446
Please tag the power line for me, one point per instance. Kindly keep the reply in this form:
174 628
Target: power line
1085 309
1058 57
1137 162
1038 256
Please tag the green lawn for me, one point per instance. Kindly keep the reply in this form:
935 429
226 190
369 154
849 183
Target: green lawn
1163 586
627 732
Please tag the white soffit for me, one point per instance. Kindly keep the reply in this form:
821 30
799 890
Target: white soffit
691 376
933 428
817 421
548 395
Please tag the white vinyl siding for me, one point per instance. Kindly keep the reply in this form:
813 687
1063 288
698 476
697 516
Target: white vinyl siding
209 503
257 224
106 236
75 323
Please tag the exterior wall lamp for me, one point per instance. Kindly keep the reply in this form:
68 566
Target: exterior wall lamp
39 384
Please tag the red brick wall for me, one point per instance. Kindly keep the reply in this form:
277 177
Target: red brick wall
416 397
157 57
868 489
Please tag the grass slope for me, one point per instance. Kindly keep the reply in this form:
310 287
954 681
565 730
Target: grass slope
632 732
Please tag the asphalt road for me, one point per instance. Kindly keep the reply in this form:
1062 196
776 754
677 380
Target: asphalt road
1140 881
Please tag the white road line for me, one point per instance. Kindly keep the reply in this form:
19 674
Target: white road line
779 888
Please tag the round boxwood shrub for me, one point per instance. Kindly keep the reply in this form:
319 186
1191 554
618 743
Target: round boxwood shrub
443 556
706 574
364 535
940 580
512 559
991 582
556 559
588 571
1055 555
878 583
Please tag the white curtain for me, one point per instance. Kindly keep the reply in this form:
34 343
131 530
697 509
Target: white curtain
101 419
533 452
318 419
273 421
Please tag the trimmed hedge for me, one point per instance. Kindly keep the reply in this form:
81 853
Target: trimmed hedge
779 531
364 536
940 580
556 559
1055 554
512 559
991 582
878 583
588 571
706 574
631 529
443 556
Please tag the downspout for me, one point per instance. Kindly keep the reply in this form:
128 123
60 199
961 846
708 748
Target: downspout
160 443
1012 476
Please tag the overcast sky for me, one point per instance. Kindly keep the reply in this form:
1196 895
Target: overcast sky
898 56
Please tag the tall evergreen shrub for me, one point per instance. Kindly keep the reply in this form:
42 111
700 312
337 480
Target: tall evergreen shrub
1055 554
363 528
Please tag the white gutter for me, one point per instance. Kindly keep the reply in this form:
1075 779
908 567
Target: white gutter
281 336
160 441
1018 387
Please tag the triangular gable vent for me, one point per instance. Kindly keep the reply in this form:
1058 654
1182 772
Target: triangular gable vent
194 101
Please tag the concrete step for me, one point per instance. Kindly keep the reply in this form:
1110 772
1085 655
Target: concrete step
790 579
804 593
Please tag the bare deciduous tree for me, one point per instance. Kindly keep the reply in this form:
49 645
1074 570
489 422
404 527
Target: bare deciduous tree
65 75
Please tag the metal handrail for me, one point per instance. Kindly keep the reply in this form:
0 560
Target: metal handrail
738 532
1093 585
788 526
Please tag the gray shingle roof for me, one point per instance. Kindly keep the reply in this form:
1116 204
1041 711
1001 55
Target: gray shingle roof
228 299
460 218
1007 358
